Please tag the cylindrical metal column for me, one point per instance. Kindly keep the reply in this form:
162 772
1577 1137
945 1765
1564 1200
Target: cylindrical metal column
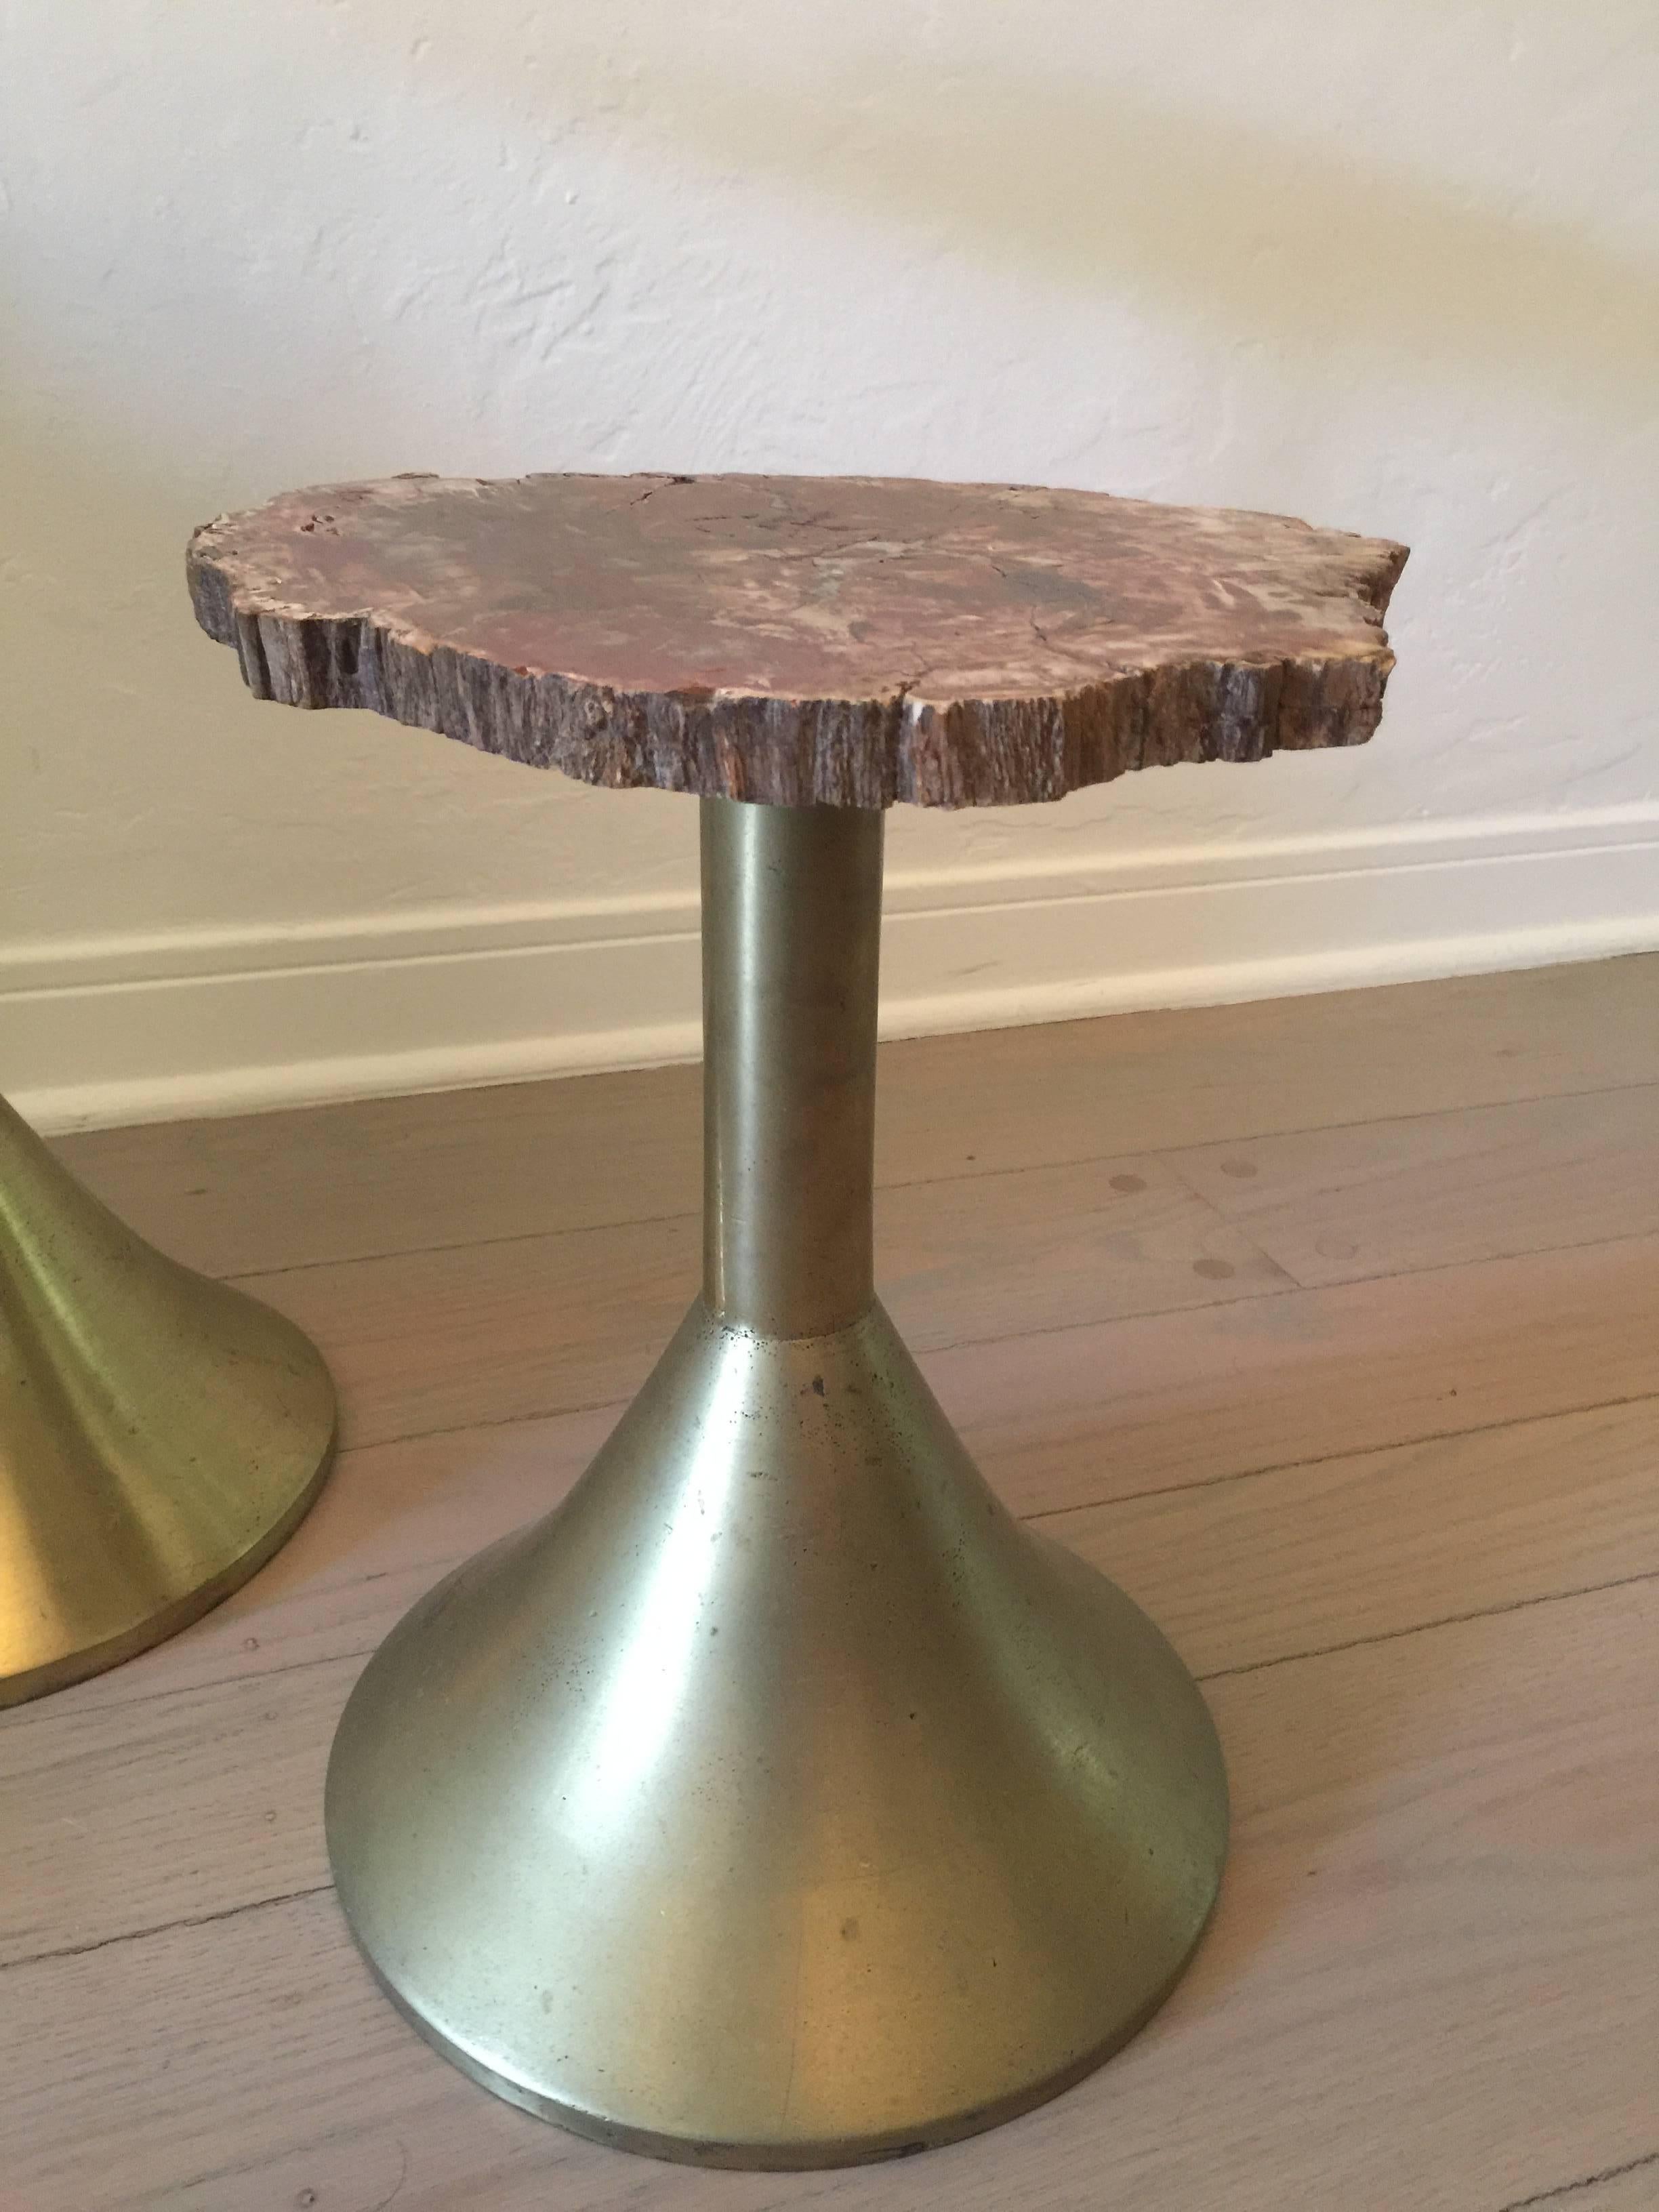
790 947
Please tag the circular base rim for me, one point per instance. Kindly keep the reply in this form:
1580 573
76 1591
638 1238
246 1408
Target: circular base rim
792 2157
526 1966
69 1668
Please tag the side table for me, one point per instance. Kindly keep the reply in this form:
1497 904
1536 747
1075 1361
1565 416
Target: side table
779 1801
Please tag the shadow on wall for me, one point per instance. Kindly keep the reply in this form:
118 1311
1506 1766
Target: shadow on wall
1318 246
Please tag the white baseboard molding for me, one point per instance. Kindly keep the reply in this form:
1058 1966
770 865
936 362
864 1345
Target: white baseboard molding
104 1030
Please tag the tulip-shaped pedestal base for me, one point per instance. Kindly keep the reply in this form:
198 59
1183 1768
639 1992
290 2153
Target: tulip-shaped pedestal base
779 1801
161 1434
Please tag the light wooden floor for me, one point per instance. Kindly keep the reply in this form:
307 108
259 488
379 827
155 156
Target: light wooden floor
1330 1327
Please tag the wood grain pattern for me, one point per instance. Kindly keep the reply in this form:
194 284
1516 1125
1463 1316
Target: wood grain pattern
1430 1982
254 1192
1633 2189
1367 1547
424 1340
1331 1206
1378 1543
1165 1399
1120 1410
251 1193
829 640
235 1766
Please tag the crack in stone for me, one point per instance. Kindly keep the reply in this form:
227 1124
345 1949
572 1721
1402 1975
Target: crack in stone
663 486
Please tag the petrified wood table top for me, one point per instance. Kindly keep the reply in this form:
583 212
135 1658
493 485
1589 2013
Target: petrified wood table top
842 640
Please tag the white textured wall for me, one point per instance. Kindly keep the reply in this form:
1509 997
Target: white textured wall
1393 267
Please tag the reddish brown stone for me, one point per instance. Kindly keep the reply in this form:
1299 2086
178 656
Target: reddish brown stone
842 640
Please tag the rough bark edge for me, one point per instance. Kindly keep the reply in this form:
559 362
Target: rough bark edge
836 753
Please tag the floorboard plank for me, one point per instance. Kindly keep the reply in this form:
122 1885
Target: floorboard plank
423 1341
1335 1205
369 1176
1634 2189
372 1175
1631 2190
1240 1575
1326 1326
1245 1573
1072 1419
1154 1402
1429 1984
1194 1076
534 1325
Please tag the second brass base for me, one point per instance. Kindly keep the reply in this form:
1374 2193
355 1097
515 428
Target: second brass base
778 1801
162 1435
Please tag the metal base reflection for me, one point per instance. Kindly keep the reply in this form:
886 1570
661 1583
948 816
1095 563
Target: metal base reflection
160 1435
778 1801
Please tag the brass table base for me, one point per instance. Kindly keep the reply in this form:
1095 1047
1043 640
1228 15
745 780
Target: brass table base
779 1801
160 1435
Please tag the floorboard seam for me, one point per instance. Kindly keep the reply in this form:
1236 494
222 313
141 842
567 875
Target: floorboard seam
690 1214
219 1682
1433 1267
1559 2194
1423 1627
41 1711
351 1448
923 1352
1166 1154
1320 1458
926 1182
1259 1666
1216 1674
164 1928
1170 1152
